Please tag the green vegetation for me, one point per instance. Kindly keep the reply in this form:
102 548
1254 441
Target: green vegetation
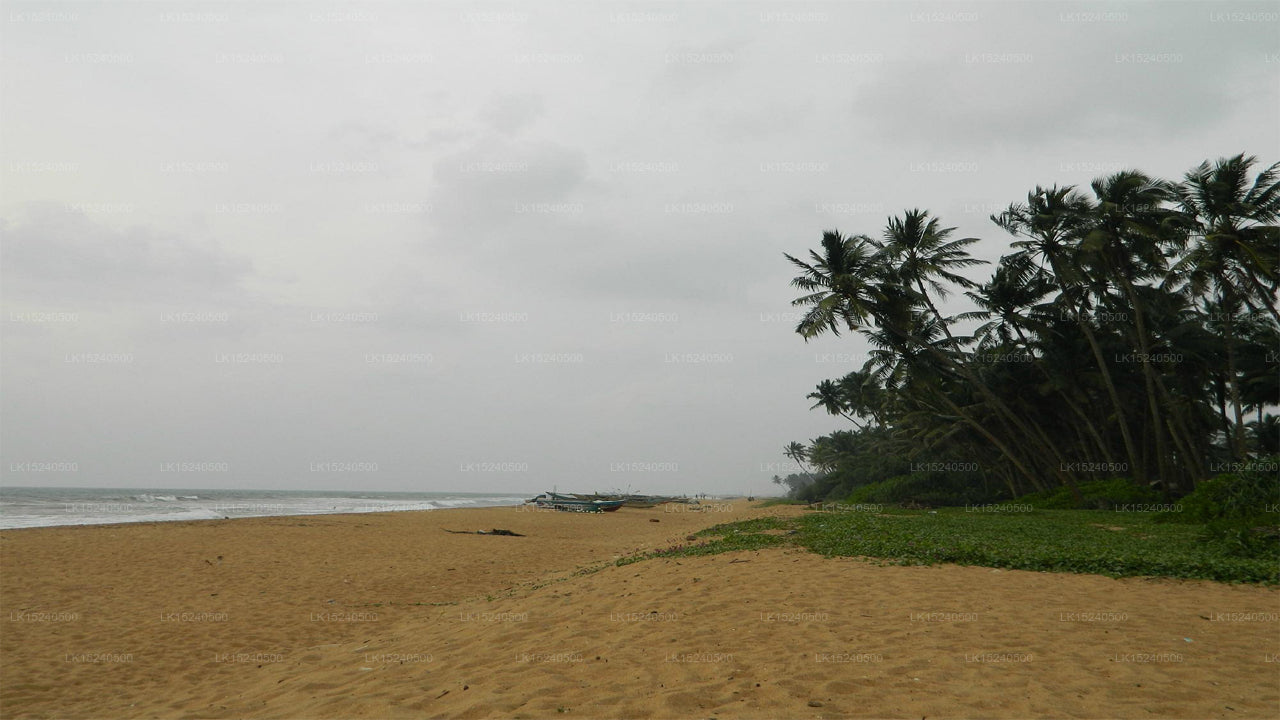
1248 495
926 488
1107 372
746 535
1080 541
772 502
1096 495
1116 354
1106 543
1240 513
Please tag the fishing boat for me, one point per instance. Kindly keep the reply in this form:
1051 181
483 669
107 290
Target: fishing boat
570 503
627 500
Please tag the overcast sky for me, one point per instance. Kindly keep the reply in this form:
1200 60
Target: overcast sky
499 247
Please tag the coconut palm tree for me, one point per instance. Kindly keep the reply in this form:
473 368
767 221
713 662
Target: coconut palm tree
797 452
849 283
829 395
1009 301
1233 253
922 253
863 395
1101 286
1133 234
840 283
1052 222
1235 240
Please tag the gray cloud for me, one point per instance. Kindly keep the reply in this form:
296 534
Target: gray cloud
509 114
568 219
59 252
1020 74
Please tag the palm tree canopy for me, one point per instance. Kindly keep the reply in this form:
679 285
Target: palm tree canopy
922 251
840 283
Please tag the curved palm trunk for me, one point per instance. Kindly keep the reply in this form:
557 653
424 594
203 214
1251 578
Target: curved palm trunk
1126 434
851 419
1035 434
1183 418
1221 393
1148 373
1075 408
1186 449
1131 449
981 429
1153 379
1001 446
1178 426
1233 377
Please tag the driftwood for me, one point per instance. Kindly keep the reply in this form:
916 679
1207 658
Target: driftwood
494 531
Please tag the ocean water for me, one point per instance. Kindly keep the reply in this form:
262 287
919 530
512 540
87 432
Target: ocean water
22 507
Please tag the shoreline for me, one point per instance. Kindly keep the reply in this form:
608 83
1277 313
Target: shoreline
386 615
193 521
184 521
179 503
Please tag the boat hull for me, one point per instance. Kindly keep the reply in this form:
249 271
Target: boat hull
573 504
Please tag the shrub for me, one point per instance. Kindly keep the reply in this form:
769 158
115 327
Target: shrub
1096 495
1232 496
1243 538
1241 511
935 489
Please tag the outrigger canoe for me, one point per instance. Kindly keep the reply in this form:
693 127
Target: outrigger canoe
632 501
569 503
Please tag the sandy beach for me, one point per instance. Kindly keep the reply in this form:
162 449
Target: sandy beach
388 615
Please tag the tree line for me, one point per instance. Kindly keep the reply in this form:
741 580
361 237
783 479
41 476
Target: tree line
1132 331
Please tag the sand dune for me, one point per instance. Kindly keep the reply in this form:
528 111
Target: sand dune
388 616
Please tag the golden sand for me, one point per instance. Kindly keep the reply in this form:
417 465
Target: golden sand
387 615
